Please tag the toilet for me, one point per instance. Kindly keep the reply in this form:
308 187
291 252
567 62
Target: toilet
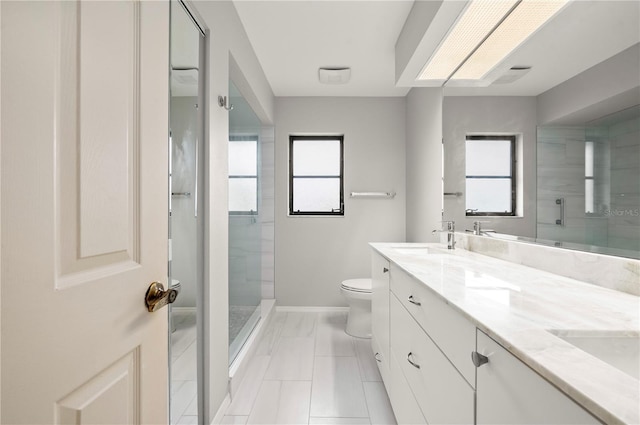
358 295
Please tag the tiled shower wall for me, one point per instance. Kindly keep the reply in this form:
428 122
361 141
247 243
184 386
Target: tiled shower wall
267 216
624 212
561 174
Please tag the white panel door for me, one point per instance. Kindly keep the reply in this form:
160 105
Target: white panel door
84 211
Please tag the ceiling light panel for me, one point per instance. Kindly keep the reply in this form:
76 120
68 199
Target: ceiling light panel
476 22
525 20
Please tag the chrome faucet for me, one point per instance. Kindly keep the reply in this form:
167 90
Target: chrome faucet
450 230
478 230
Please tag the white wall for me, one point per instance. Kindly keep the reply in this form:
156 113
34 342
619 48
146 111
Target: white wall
424 163
314 254
490 115
608 87
228 47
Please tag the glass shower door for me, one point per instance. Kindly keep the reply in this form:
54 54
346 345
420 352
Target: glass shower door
245 230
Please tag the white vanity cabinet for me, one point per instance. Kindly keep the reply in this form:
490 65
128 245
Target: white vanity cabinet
380 312
509 392
443 395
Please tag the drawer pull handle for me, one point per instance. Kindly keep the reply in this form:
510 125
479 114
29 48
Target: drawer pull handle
377 356
478 359
417 366
384 270
412 301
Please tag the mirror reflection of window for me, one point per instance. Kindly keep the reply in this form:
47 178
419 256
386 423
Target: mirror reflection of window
589 199
243 175
490 175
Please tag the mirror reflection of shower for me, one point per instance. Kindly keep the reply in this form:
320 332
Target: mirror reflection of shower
245 227
185 216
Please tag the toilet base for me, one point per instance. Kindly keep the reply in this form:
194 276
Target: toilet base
359 319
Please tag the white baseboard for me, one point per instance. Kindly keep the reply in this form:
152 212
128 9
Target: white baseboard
217 419
309 309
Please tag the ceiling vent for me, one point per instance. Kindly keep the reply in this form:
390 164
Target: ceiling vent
512 74
334 75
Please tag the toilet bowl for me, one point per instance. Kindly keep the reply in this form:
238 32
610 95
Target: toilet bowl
358 295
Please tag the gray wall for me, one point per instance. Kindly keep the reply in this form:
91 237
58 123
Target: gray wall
228 49
490 115
424 163
607 87
314 254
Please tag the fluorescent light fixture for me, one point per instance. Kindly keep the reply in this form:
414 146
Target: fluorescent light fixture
476 22
486 33
525 20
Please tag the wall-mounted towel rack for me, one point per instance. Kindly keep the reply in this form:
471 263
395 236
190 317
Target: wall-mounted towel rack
372 194
187 194
456 194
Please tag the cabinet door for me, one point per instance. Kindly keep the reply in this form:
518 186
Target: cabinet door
404 404
509 392
380 308
443 395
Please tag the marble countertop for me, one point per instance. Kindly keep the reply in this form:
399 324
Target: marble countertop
526 310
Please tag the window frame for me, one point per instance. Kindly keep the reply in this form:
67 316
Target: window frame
513 176
340 212
241 139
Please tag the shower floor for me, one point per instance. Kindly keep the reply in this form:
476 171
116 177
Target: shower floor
238 317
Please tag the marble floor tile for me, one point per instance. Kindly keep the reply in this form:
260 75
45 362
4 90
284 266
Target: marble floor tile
188 420
299 324
282 402
234 420
271 334
337 388
292 360
331 338
338 421
380 412
366 361
243 400
184 367
182 398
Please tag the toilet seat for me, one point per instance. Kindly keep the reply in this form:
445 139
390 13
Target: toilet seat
357 285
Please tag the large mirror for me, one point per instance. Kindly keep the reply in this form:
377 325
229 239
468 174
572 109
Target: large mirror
570 97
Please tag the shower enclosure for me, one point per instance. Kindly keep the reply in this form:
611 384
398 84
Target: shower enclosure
245 224
589 183
186 224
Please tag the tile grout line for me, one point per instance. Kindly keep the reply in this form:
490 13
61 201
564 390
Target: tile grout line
313 363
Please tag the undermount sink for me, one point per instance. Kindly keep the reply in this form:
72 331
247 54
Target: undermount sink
619 349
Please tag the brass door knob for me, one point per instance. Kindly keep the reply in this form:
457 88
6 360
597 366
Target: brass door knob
156 297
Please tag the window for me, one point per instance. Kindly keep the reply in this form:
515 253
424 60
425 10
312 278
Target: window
490 175
316 175
589 201
243 175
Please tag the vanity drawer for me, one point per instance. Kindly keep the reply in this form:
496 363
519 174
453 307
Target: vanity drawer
450 331
404 404
443 395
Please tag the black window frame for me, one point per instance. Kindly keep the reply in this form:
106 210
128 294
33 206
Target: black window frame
513 176
338 212
241 139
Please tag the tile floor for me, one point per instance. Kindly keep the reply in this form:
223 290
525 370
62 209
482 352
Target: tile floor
307 370
184 403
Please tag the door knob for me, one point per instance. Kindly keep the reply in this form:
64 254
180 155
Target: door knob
156 297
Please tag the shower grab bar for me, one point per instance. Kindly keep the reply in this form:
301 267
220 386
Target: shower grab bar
372 194
560 202
187 194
